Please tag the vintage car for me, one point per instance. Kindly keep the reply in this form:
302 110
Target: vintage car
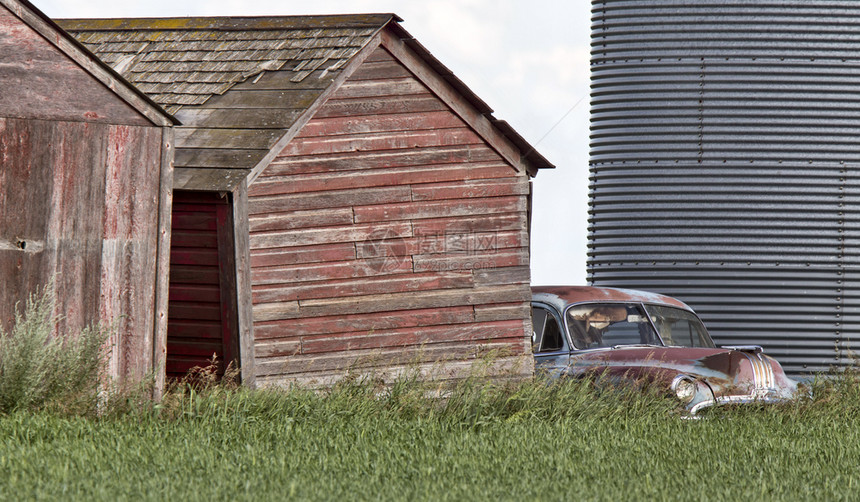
635 336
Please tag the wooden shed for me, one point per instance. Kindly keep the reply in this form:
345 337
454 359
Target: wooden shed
85 189
341 197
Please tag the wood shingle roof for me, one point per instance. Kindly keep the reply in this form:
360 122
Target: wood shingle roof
187 61
278 66
241 86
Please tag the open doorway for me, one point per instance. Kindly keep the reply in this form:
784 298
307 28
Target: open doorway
202 314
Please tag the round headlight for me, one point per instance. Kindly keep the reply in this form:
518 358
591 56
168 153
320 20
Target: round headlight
685 388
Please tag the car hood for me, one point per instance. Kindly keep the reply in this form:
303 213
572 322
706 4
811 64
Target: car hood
726 371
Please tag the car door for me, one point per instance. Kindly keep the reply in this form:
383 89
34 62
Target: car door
549 343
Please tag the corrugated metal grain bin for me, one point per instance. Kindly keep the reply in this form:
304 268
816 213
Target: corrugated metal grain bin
85 190
724 166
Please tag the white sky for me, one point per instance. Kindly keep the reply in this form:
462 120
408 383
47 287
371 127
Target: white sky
529 60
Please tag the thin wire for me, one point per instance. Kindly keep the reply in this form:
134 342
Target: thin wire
559 121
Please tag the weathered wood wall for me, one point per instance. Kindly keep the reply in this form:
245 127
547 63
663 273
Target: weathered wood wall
39 81
79 204
386 232
82 197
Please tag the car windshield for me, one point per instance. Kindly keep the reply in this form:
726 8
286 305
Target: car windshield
610 324
679 327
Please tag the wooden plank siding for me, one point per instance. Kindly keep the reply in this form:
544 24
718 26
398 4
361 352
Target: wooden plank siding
86 166
79 206
386 233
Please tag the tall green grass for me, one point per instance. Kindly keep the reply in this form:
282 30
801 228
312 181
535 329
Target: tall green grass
478 439
39 370
509 441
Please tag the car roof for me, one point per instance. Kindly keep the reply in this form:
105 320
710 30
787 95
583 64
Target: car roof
561 296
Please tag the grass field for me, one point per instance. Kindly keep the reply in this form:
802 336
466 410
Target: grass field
64 437
516 442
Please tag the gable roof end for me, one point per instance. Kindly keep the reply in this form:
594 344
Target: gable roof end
68 45
529 153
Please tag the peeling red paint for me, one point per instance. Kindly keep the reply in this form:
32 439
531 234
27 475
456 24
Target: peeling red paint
723 375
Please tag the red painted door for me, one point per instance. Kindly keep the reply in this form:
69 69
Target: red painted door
202 301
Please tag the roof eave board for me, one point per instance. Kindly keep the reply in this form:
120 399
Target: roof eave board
530 154
229 23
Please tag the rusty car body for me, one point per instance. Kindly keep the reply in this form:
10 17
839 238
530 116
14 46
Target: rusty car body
636 336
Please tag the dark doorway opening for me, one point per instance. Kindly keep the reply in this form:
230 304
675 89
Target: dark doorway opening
202 318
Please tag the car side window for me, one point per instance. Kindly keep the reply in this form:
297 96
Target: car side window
547 335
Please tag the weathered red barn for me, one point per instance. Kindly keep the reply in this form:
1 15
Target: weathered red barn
85 189
341 197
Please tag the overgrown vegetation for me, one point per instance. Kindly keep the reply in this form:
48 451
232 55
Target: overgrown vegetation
529 440
41 371
525 440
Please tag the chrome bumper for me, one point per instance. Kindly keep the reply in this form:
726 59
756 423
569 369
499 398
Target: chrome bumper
756 397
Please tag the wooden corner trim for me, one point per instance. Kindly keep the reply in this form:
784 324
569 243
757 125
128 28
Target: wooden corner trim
162 262
242 262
